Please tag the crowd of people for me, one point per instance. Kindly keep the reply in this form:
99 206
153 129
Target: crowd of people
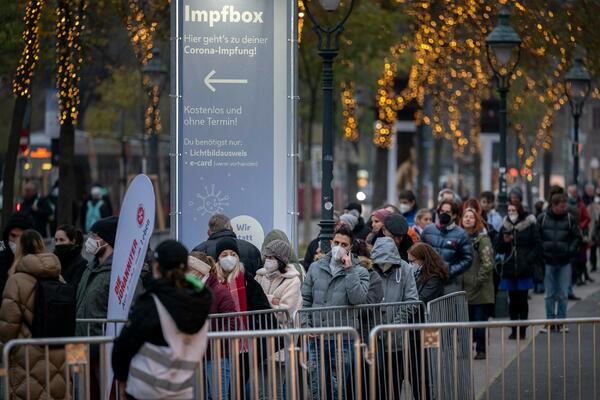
398 254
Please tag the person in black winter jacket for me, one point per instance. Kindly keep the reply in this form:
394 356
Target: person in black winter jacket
219 227
520 244
186 301
561 239
68 247
450 241
15 226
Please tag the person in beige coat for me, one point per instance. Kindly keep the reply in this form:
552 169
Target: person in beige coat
16 316
279 280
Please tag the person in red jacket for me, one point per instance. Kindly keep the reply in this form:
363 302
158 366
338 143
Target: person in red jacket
580 274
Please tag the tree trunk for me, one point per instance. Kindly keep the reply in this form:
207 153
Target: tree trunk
10 160
380 178
66 189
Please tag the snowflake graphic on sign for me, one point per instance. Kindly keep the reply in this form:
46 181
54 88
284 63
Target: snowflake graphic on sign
210 202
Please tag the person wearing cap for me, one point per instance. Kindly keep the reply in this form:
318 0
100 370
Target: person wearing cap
361 230
277 234
451 242
279 280
395 226
157 352
14 228
93 289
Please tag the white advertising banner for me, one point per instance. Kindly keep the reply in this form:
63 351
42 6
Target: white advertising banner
136 223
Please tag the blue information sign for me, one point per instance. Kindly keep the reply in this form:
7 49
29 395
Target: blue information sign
234 116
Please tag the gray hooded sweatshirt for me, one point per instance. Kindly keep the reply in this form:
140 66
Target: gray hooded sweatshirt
398 280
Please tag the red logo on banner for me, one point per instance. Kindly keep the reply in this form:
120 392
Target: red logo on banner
140 215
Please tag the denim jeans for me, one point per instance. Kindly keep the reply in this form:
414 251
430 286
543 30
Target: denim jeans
329 364
556 282
478 313
225 379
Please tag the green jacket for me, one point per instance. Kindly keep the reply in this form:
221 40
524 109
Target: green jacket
478 281
92 296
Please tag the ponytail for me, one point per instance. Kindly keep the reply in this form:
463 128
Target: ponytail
175 276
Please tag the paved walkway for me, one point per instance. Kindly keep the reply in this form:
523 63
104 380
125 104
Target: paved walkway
509 369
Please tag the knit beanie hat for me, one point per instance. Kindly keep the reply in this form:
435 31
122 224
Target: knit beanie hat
106 228
17 220
171 254
396 224
350 220
381 214
227 243
280 250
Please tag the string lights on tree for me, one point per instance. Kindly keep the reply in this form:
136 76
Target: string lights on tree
448 52
70 16
29 57
349 104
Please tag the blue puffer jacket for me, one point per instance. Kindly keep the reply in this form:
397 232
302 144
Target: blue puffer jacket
453 244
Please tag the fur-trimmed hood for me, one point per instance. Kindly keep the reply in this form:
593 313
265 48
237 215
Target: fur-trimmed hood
520 225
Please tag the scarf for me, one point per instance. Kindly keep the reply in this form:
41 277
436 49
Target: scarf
237 288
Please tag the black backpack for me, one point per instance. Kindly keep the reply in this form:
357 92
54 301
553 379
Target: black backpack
54 309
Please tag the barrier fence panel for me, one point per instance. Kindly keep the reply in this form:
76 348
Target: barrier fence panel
547 359
62 368
362 318
278 318
450 308
96 326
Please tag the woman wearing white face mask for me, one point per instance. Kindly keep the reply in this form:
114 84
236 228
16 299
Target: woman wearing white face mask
246 293
520 243
280 281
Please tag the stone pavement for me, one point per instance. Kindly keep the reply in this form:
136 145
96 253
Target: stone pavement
508 369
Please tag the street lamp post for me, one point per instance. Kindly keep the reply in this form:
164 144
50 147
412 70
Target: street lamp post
577 87
154 74
329 45
501 43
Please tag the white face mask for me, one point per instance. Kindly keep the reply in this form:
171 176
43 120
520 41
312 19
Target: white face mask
13 247
228 263
404 208
271 265
91 246
337 253
513 217
597 199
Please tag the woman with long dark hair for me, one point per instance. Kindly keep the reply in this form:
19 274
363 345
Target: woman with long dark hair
430 271
68 246
520 244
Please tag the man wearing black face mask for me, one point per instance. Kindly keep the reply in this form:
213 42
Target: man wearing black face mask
451 242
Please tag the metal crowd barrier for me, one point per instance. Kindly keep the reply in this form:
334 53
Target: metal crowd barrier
61 368
559 359
97 326
453 373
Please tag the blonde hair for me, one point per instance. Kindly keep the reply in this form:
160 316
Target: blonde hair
224 277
